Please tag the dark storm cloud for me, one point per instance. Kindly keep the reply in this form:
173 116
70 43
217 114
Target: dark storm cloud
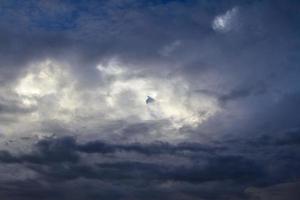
147 149
61 165
60 160
234 168
291 137
281 192
242 92
286 138
29 189
236 94
55 162
66 149
46 151
6 157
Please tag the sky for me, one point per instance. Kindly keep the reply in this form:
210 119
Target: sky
149 99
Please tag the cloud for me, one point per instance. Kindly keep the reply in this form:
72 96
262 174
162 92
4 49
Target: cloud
50 92
227 21
75 78
65 160
47 151
62 163
66 149
168 49
14 108
276 192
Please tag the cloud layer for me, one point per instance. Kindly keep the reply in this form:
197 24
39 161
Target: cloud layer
127 99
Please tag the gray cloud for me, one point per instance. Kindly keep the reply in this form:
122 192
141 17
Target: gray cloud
75 77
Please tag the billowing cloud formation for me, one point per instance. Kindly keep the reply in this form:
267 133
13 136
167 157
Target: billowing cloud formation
54 92
149 99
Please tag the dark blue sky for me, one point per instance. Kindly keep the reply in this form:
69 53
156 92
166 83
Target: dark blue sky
223 76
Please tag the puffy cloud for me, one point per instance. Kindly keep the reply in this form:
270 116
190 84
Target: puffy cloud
226 21
50 91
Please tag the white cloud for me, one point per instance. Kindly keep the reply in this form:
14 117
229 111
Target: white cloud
173 101
52 89
225 22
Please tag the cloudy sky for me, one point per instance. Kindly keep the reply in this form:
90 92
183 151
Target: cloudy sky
149 99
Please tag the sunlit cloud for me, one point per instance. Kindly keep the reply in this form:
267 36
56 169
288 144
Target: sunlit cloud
121 95
226 21
127 95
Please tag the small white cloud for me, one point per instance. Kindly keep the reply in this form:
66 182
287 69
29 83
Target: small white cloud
112 68
225 22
